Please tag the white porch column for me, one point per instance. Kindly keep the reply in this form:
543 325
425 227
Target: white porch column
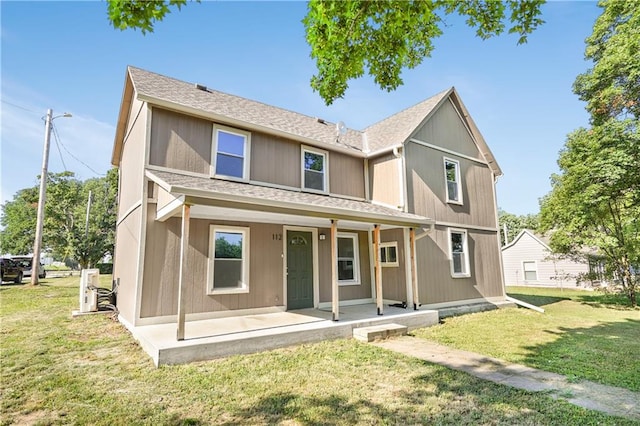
184 245
378 267
335 292
414 269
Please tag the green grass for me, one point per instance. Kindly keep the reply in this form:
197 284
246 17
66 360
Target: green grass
582 334
88 370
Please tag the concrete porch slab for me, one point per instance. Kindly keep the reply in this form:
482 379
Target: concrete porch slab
220 337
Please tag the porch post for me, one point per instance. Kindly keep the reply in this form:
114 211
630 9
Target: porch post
378 266
335 295
184 245
414 273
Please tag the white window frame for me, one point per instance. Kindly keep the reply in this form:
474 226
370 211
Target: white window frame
325 182
247 152
384 247
466 273
458 181
245 259
356 259
524 271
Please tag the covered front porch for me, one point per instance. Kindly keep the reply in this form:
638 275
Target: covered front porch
220 337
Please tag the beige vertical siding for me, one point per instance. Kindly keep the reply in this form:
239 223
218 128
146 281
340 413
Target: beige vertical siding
349 292
384 178
162 266
434 272
275 160
180 142
163 197
551 270
346 175
132 164
445 128
126 263
394 279
427 188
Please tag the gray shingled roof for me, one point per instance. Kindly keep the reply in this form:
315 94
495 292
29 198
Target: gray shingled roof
268 197
397 128
159 87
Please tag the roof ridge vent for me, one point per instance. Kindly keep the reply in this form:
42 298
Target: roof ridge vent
201 87
321 120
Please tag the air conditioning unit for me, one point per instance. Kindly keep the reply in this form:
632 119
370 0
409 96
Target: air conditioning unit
89 282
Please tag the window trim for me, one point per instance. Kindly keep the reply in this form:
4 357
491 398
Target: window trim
460 200
356 259
214 152
245 231
466 273
387 264
304 149
524 271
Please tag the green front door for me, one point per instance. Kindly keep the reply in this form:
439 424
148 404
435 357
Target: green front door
299 270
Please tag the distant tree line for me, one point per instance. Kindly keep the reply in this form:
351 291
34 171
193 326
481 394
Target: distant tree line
66 234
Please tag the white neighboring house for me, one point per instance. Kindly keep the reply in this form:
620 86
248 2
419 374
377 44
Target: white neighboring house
528 260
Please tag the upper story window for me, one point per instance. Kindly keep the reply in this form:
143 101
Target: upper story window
314 169
389 254
230 153
348 263
458 253
452 179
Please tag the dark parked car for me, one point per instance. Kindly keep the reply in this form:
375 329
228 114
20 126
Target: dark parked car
10 270
25 263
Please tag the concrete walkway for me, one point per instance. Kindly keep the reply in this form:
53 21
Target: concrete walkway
594 396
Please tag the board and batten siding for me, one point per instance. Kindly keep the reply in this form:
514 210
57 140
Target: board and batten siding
126 263
180 141
426 188
394 278
162 264
346 292
131 175
551 270
445 128
384 178
434 268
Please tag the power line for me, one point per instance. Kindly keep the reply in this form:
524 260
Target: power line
55 133
18 106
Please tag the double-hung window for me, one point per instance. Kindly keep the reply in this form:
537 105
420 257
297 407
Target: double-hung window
458 253
389 254
530 270
228 259
230 153
348 259
452 180
314 170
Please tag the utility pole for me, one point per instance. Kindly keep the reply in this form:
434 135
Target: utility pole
37 245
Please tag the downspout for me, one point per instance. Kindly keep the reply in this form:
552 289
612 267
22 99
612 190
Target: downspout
402 177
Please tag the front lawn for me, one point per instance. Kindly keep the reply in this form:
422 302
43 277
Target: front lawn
88 370
582 334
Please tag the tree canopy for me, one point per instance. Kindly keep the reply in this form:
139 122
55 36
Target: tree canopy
515 224
381 38
65 232
594 202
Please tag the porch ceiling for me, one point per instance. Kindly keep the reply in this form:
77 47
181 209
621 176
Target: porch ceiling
216 198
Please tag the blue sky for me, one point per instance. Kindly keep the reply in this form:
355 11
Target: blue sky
66 56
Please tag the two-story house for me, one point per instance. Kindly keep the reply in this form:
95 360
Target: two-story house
229 206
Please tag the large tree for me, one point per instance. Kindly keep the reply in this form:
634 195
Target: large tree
595 199
611 87
19 222
381 38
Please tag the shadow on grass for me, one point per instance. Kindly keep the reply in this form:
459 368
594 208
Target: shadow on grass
608 353
537 300
609 300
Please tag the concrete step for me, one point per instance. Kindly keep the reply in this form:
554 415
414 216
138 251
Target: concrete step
379 332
